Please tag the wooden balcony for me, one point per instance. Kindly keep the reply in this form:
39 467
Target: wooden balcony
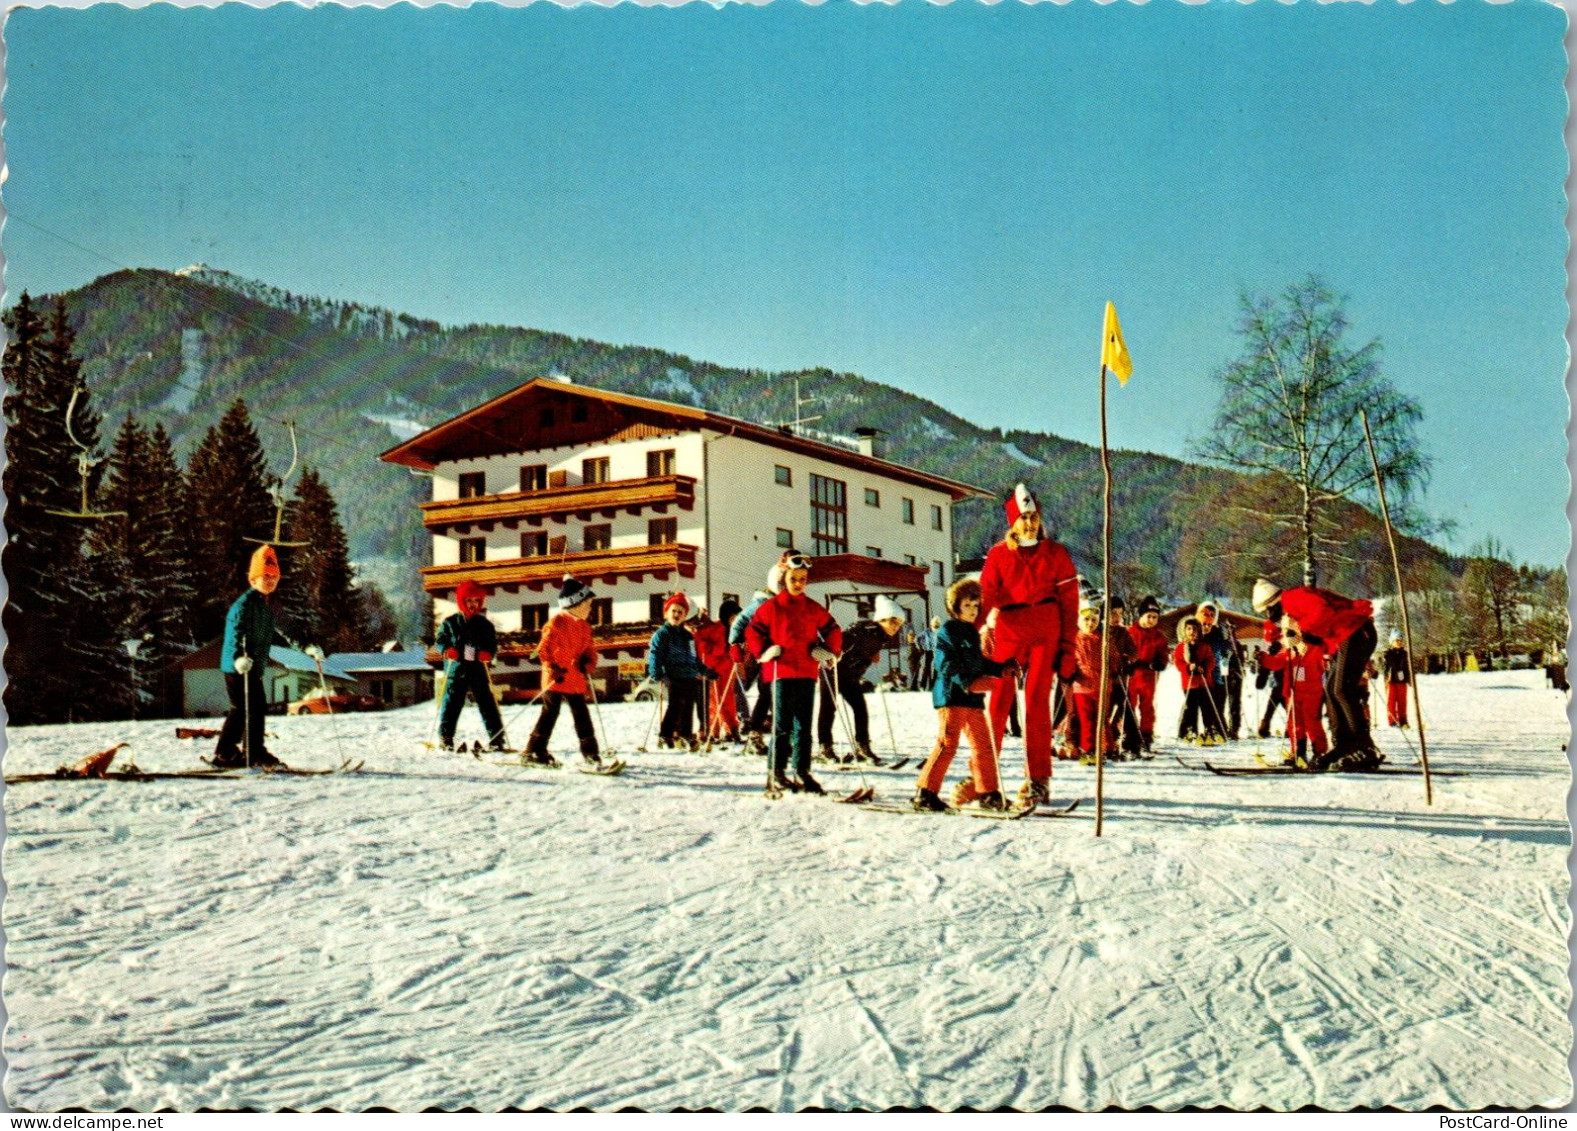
879 573
511 575
560 504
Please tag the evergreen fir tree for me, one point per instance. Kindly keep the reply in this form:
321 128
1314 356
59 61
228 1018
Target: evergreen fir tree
319 603
229 503
170 573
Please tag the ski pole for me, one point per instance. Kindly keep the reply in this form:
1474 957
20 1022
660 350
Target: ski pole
246 712
891 737
657 702
317 658
865 792
602 732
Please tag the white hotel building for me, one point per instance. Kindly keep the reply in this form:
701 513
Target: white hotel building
639 498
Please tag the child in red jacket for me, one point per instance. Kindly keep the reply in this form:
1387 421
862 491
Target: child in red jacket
1150 649
1087 684
793 635
567 655
1196 663
1304 664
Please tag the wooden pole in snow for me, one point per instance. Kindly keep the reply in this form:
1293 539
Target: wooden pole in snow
1106 603
1401 597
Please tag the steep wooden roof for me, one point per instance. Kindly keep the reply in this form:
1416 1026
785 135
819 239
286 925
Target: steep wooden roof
544 413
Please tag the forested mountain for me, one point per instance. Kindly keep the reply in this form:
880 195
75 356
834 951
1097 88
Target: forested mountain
177 348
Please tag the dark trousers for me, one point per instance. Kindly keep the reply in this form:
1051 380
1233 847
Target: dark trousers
793 701
247 708
1274 701
548 719
1344 687
849 690
1234 704
1197 713
679 719
761 714
463 676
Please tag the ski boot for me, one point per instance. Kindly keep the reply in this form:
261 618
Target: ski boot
993 800
864 753
538 756
809 784
785 784
446 745
825 753
755 743
963 793
1034 791
926 801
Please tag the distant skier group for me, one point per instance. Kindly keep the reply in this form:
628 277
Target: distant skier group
1024 628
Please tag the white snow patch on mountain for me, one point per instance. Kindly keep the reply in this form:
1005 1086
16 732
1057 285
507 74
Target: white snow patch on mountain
1013 450
676 385
443 931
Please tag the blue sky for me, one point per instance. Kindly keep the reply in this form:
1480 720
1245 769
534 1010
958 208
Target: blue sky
940 198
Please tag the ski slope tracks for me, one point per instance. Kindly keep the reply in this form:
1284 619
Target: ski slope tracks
441 931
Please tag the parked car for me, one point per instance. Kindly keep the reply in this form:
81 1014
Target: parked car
315 702
644 691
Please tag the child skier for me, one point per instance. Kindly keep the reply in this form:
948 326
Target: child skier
568 656
1273 681
863 641
1196 663
793 635
712 649
1398 674
672 661
758 720
1123 645
1086 685
248 636
1150 649
1304 663
963 676
468 642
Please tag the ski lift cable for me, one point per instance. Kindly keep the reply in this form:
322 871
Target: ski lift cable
86 461
302 350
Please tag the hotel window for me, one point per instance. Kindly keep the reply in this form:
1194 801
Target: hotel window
785 539
534 477
910 559
599 537
873 551
601 611
936 518
873 497
534 544
660 462
938 576
654 606
662 531
473 550
782 476
829 516
533 617
472 484
908 512
594 470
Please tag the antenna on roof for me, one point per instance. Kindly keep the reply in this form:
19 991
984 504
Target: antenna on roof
799 403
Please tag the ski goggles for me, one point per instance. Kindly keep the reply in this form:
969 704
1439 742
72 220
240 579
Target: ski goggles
797 561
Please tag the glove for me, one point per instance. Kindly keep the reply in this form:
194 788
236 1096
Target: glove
708 673
557 673
822 655
771 653
243 664
485 657
1067 668
451 653
584 664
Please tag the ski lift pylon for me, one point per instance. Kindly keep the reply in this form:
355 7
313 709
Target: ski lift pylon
277 492
85 462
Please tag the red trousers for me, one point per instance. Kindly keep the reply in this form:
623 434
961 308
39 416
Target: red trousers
1086 707
952 722
1038 662
1141 693
1396 704
1303 720
722 713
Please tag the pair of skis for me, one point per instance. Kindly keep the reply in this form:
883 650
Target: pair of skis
1270 769
1016 813
610 768
211 773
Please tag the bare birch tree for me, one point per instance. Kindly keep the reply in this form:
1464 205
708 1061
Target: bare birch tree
1289 411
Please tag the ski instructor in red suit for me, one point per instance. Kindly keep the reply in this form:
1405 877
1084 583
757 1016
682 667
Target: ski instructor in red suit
1030 610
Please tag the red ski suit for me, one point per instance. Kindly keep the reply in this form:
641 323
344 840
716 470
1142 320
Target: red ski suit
1305 693
1330 616
795 624
1150 649
1034 592
711 648
566 653
1086 688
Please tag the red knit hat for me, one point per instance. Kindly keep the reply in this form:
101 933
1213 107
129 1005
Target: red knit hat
1021 501
467 589
679 600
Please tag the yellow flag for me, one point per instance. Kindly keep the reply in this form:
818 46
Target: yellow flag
1114 351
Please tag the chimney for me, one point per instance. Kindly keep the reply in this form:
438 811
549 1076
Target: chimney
871 442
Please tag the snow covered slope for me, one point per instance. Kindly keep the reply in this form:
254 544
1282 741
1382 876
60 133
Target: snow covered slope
448 932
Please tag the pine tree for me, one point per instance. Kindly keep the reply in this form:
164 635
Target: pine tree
229 503
318 602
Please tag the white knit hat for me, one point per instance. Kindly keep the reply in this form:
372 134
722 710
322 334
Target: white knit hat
887 609
1265 594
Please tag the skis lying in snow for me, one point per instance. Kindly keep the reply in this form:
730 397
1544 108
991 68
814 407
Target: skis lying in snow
966 811
607 769
212 773
1287 771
